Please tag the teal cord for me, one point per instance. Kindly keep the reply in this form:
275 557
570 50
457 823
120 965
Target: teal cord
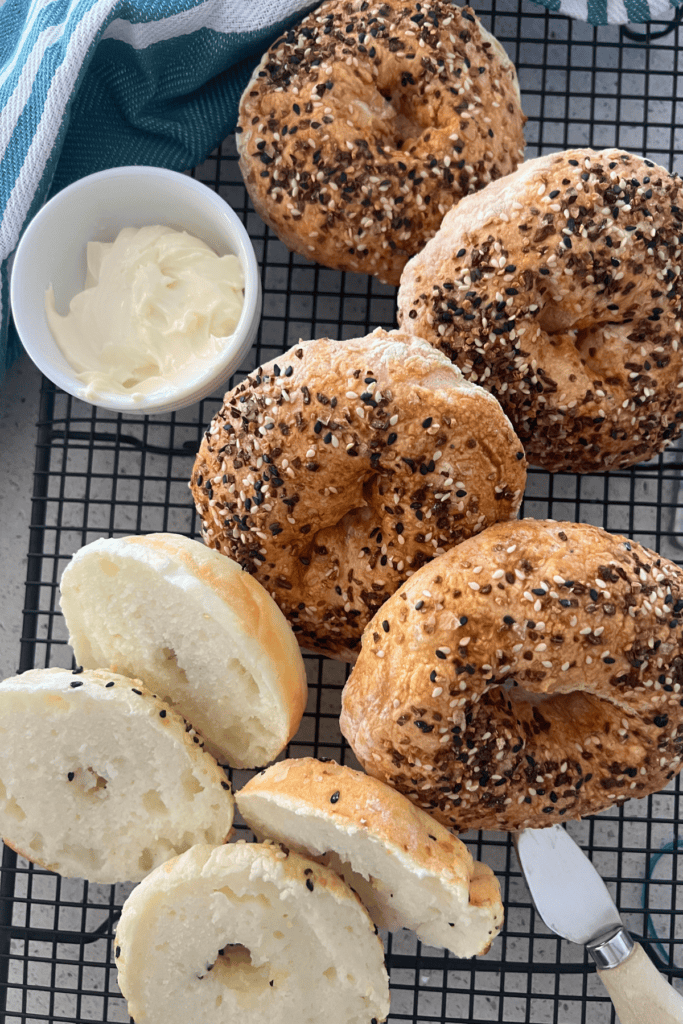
676 844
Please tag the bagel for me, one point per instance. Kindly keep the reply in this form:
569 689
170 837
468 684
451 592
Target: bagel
335 471
367 121
530 675
408 870
101 780
248 933
197 630
558 288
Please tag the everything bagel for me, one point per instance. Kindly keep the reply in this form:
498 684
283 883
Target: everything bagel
529 675
558 288
336 471
367 121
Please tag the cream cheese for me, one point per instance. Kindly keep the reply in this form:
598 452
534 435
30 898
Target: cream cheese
156 303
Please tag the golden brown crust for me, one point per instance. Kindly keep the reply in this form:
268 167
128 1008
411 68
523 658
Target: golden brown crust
531 674
355 801
579 252
334 472
366 122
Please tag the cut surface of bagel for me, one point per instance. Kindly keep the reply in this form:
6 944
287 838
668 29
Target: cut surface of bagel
531 675
99 779
252 933
409 871
197 630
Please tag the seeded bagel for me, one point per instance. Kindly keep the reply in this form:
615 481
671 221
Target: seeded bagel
99 779
368 120
558 288
248 932
335 471
409 871
529 675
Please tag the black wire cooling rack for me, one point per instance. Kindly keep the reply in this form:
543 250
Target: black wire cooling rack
98 474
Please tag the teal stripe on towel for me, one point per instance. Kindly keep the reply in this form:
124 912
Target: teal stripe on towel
597 12
637 10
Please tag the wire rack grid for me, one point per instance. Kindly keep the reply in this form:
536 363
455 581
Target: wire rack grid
98 474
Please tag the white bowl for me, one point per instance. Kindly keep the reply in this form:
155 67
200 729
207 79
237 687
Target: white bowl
53 252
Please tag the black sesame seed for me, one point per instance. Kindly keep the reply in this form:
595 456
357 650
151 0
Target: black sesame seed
463 620
109 684
309 884
77 671
335 797
162 714
75 683
427 423
70 776
419 605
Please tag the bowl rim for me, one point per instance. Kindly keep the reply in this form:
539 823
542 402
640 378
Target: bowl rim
217 371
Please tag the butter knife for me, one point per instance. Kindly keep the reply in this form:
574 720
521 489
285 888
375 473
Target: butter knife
573 900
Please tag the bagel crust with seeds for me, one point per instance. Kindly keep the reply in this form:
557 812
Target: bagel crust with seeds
368 120
408 870
529 675
334 472
559 289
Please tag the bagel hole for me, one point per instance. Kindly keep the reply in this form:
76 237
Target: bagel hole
234 968
553 319
88 781
404 124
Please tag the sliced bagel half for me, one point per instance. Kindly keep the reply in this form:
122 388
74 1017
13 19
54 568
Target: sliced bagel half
409 871
198 630
251 933
99 779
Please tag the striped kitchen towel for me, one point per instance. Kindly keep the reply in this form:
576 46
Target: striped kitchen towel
91 84
613 12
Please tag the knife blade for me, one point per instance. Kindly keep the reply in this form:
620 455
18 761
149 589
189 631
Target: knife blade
569 894
574 902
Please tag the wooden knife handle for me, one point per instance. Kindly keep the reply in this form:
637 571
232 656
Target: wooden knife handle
641 995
